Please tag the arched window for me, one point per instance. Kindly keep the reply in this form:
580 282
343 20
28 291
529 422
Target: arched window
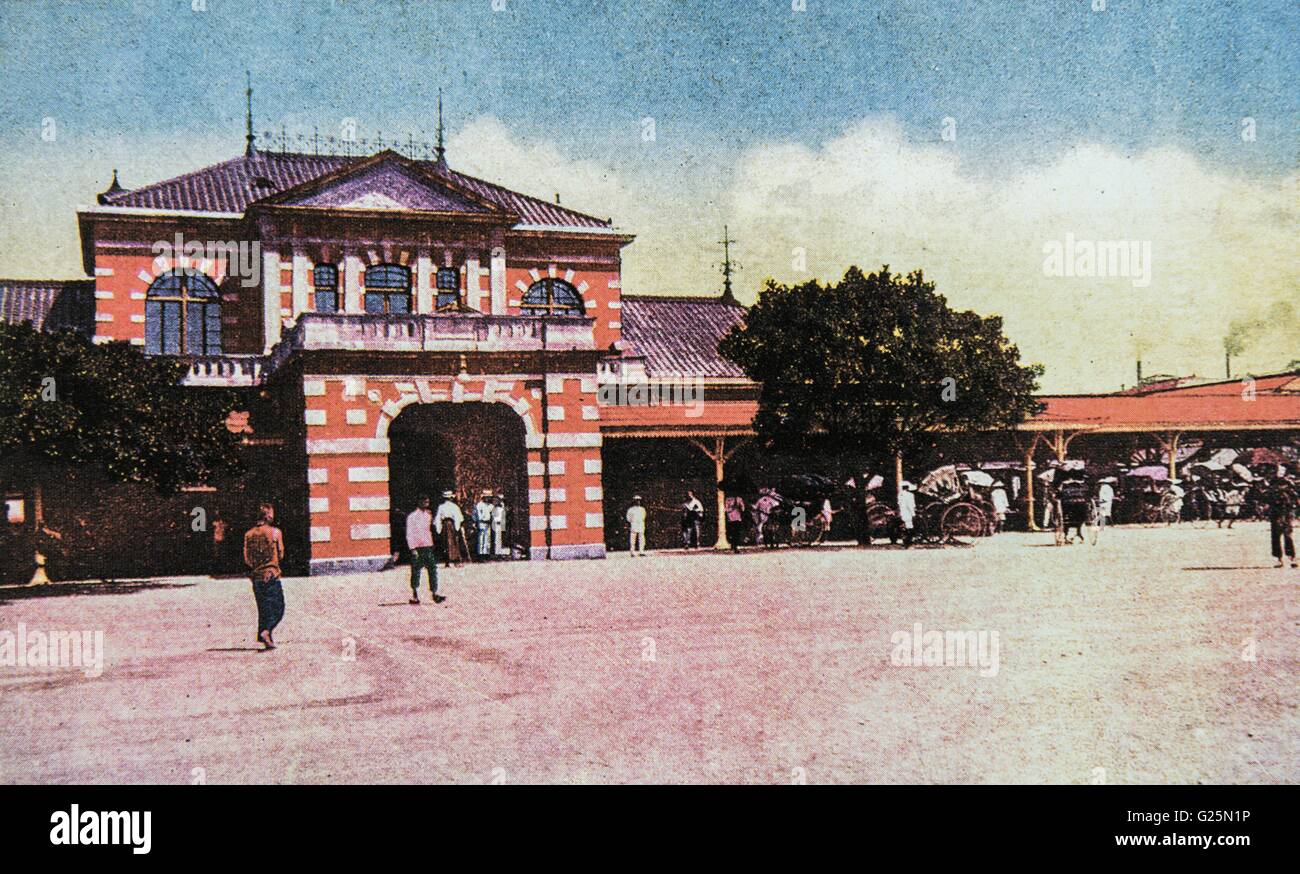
388 289
182 315
325 278
552 297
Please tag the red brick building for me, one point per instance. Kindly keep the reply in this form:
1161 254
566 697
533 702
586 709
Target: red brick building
417 329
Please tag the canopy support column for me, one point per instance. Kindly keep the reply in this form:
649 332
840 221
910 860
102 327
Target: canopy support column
719 455
1029 485
1169 444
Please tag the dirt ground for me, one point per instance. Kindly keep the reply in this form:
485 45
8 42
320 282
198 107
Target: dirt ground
1158 656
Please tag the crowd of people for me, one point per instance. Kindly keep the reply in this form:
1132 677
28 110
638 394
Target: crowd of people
453 535
1076 506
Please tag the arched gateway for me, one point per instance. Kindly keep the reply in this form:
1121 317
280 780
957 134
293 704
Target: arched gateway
374 442
463 448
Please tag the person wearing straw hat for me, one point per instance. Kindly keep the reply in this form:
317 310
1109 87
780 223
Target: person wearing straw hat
447 522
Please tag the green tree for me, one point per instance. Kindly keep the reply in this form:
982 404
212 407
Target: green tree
876 365
66 401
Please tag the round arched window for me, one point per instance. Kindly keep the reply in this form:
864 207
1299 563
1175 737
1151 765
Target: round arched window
551 297
182 315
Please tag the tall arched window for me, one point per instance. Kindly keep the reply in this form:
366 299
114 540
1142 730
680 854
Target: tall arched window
551 297
388 289
182 315
325 279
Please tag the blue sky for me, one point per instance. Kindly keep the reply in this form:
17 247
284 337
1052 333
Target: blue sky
1022 78
755 105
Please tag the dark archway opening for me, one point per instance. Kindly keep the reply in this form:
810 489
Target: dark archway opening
464 448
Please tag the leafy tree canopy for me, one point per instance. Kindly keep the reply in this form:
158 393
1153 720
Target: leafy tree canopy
65 400
876 364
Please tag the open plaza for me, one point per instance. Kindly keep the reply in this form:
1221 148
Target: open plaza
1160 655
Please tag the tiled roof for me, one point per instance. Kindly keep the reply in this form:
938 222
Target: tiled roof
229 187
679 335
52 304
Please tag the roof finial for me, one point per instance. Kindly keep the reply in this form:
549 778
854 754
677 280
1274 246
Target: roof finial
728 267
248 119
114 188
440 152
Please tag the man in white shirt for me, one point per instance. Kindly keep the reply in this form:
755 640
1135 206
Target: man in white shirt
483 521
636 527
1105 502
906 509
419 540
692 518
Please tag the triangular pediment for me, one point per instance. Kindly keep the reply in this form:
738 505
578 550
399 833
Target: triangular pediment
388 184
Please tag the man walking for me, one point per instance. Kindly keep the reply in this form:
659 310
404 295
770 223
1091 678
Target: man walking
419 540
483 523
263 552
636 527
1281 509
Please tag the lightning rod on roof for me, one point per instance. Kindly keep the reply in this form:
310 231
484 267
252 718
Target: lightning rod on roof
248 118
439 150
728 267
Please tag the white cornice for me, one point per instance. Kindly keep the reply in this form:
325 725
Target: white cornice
148 211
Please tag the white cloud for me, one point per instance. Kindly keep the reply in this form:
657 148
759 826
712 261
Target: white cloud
1222 247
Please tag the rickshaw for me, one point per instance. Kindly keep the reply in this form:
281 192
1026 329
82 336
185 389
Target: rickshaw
943 512
799 511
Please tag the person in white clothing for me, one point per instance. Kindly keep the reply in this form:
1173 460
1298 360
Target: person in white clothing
906 509
483 526
636 527
499 525
447 522
1105 502
1000 505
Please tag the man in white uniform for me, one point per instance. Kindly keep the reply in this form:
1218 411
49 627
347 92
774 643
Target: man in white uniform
483 523
1105 502
499 525
636 527
906 509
